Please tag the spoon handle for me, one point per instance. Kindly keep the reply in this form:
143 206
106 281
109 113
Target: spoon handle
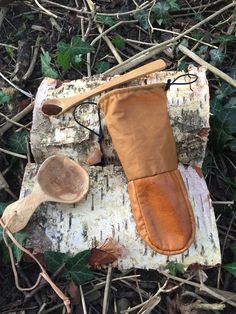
57 106
17 214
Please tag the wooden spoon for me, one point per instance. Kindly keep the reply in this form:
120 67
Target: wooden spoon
59 179
56 106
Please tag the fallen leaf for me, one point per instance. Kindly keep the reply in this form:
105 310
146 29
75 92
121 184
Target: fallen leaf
100 258
106 254
113 248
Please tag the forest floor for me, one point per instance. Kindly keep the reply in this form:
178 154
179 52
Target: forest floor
54 38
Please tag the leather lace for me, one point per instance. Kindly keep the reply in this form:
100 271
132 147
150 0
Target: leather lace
169 82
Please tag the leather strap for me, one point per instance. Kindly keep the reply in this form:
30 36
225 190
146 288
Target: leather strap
58 106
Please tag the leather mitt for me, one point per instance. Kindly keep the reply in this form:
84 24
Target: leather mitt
138 122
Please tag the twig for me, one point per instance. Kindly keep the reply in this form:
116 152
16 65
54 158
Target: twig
210 4
201 287
28 283
3 12
82 28
223 247
12 121
145 5
150 52
185 36
101 36
43 272
26 126
196 296
16 118
105 38
16 87
33 61
44 283
117 279
12 153
4 185
210 67
55 307
110 29
223 202
10 46
83 300
105 304
192 49
208 306
45 10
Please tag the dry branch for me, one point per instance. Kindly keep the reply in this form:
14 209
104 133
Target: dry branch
152 51
207 65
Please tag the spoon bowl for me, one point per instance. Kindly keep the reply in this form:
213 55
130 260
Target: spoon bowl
59 179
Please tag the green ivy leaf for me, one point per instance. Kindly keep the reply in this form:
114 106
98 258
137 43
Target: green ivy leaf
102 66
118 42
232 71
206 164
4 253
64 59
215 105
231 268
233 249
17 141
175 268
230 182
218 137
231 103
183 66
54 260
77 267
224 91
232 145
4 98
161 11
20 237
223 39
202 50
142 17
3 205
80 47
198 34
11 52
29 17
227 118
106 20
67 54
217 57
78 60
46 68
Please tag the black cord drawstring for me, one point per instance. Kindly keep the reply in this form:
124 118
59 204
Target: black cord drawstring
169 82
99 134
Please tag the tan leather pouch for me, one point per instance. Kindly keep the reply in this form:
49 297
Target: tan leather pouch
138 122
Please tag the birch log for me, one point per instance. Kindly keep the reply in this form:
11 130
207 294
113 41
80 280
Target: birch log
106 212
188 109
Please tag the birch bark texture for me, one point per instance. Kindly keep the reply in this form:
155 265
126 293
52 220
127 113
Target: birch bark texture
105 212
